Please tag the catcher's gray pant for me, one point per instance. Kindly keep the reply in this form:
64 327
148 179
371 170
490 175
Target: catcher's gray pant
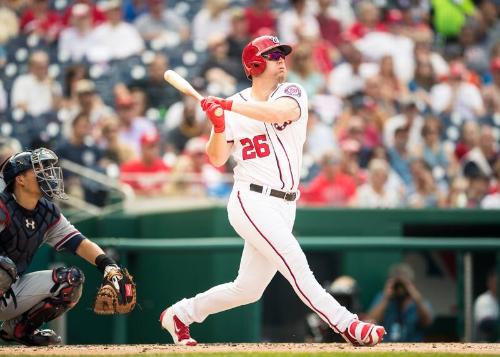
29 290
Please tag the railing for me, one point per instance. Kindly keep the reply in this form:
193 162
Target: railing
86 209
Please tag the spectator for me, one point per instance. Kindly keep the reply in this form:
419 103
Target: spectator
492 200
456 97
469 139
96 14
375 193
303 71
424 192
160 22
81 150
114 39
132 9
477 190
329 25
449 17
410 118
423 81
72 74
349 77
438 156
401 308
331 187
259 17
221 72
37 18
423 53
146 175
320 138
391 88
296 22
184 122
368 20
75 41
9 23
114 149
486 312
194 176
132 127
479 160
213 19
35 92
159 95
491 92
238 37
399 156
472 50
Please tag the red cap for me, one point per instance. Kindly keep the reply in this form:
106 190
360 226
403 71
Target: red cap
495 64
150 138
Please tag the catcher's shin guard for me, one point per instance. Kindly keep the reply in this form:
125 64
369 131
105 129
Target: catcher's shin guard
67 291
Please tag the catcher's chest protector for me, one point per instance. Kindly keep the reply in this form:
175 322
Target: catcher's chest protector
25 229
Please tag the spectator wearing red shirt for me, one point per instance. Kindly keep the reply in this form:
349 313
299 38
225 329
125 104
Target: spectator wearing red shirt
97 15
368 20
331 187
260 16
39 19
146 175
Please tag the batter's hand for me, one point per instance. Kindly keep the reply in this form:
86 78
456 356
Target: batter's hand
215 114
224 103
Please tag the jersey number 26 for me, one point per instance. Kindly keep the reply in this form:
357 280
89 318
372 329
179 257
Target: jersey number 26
255 147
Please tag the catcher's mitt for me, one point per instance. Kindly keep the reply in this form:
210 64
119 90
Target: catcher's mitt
117 294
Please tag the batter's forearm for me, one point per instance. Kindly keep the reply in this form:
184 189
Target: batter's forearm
218 149
279 111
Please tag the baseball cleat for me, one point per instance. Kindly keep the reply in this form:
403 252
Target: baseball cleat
360 333
44 337
177 329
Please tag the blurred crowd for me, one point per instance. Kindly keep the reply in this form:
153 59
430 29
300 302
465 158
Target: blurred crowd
404 94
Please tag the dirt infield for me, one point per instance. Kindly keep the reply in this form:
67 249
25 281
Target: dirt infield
144 350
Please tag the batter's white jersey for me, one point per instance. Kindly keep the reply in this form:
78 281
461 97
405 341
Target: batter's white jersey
268 154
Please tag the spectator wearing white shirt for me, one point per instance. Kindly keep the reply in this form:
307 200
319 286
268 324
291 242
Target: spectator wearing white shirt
75 41
349 77
457 97
114 39
35 92
159 22
492 200
409 117
213 19
375 193
297 22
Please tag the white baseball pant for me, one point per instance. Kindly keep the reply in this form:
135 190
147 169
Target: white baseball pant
265 223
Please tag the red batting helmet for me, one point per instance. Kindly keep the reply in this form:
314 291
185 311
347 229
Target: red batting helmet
253 62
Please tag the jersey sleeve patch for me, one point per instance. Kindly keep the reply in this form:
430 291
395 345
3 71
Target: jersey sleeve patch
293 90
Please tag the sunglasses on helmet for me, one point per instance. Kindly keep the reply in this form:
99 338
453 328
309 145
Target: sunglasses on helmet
274 55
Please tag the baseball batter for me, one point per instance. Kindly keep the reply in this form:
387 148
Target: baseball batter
29 218
264 128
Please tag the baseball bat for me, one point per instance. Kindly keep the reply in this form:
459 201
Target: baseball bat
182 85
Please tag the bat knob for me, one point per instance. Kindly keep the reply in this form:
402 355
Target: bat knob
218 112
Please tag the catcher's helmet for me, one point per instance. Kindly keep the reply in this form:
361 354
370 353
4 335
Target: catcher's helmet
43 162
253 62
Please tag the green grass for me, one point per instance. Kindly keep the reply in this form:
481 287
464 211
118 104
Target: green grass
278 354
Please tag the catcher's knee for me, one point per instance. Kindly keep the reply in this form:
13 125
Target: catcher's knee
68 285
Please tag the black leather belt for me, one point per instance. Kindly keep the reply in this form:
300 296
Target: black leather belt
287 196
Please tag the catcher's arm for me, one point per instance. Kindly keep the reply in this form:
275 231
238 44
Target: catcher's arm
117 293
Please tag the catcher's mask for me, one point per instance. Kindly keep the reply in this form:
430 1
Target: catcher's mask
44 164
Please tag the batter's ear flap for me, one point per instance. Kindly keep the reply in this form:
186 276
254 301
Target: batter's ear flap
258 65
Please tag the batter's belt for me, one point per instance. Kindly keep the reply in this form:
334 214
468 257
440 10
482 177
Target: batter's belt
287 196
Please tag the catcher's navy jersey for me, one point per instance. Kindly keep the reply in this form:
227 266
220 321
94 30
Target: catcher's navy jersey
23 231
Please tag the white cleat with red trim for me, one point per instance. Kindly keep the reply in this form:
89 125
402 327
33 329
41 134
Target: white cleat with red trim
177 329
360 333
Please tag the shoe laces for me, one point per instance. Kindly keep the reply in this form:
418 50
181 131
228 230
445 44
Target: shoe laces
182 330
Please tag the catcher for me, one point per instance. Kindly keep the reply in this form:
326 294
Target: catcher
28 218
